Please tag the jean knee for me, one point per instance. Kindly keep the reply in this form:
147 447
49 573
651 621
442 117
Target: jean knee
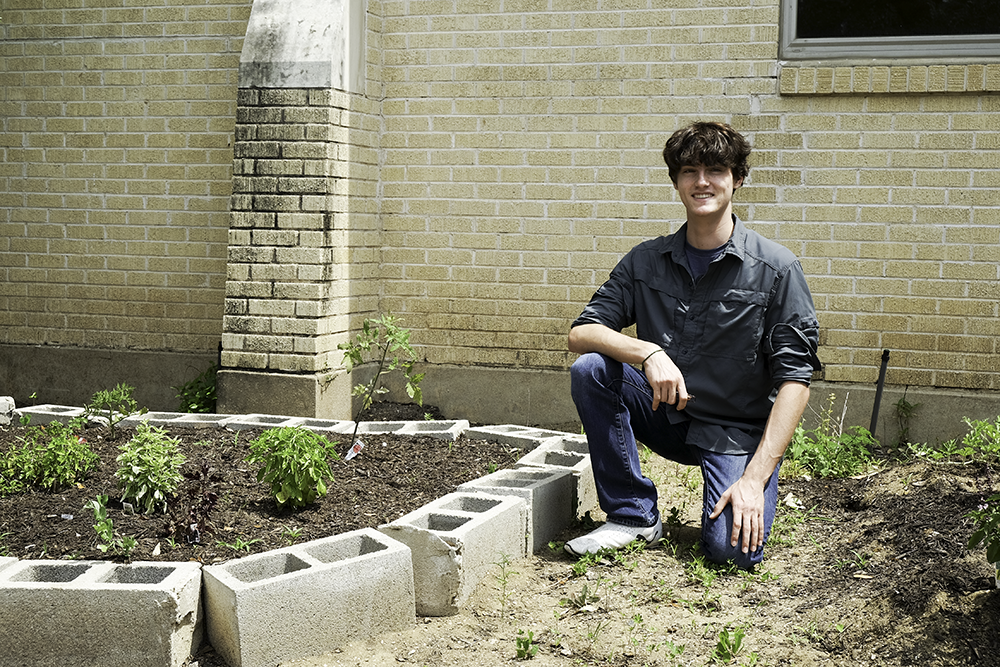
589 368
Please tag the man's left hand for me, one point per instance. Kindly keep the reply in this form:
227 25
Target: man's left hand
747 500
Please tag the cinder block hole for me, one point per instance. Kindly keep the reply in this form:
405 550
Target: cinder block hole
269 420
566 459
576 446
470 504
137 574
199 418
259 569
423 427
50 573
352 547
515 483
321 423
381 427
441 522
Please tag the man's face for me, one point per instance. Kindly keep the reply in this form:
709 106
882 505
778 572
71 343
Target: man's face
705 190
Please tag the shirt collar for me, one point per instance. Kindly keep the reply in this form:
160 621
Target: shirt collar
736 245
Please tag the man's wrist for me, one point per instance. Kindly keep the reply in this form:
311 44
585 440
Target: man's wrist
659 349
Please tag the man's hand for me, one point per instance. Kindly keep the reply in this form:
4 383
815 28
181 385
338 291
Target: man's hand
666 380
747 500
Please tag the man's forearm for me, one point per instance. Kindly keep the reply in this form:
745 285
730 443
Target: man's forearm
599 338
789 405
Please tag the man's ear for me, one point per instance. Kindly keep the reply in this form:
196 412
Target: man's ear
738 184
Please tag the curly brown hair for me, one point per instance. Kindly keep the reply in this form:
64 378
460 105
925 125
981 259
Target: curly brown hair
708 144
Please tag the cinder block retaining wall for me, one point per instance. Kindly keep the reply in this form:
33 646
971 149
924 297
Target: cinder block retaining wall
302 600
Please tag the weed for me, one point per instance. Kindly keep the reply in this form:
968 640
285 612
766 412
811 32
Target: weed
503 579
291 535
113 404
378 339
109 541
199 394
294 463
525 645
149 468
584 600
904 413
239 544
730 646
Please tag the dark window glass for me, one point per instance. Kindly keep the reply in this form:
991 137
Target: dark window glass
896 18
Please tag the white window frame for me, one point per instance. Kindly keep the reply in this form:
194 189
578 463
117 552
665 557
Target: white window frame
868 48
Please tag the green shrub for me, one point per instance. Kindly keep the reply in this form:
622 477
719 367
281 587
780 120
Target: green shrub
825 455
198 395
149 468
986 528
294 463
51 457
113 404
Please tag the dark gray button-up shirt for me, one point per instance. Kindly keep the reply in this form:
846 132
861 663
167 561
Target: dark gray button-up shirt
744 328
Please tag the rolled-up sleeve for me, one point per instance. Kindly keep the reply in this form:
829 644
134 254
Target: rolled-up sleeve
612 303
791 336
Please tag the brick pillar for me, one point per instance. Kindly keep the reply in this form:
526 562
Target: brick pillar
303 237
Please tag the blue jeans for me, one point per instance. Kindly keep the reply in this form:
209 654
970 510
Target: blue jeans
614 401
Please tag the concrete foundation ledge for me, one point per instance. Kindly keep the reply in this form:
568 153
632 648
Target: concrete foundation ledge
550 495
308 599
567 453
454 541
87 613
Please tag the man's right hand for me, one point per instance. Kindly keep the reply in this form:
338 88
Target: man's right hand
661 371
666 380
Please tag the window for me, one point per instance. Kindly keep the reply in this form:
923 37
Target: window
839 29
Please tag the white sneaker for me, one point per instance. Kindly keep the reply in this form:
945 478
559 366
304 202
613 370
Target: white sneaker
613 536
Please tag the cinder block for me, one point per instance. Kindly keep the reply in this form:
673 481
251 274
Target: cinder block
328 425
442 430
6 410
454 541
522 437
261 421
6 560
309 598
550 495
570 453
195 419
43 414
89 613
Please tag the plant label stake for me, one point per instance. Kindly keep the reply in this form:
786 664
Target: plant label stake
355 450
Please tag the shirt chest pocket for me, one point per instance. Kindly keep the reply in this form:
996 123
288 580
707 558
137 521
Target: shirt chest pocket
733 324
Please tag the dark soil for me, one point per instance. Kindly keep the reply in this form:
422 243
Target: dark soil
235 514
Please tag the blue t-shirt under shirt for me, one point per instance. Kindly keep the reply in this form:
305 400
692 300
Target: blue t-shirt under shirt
699 259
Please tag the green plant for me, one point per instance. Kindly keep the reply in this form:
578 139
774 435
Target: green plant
239 544
294 462
386 343
109 541
986 527
503 580
525 645
904 413
730 647
149 468
113 404
198 395
52 456
830 451
584 600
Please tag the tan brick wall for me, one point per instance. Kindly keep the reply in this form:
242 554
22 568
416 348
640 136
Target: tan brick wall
116 170
504 157
522 158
